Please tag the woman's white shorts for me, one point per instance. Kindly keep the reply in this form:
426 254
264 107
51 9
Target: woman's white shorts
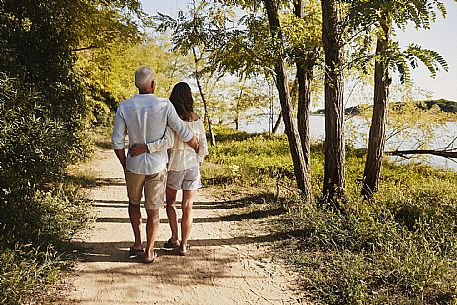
188 180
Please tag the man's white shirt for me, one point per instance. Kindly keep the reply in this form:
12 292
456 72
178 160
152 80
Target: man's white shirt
145 118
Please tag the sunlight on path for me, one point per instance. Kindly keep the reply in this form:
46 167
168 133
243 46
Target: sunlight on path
222 268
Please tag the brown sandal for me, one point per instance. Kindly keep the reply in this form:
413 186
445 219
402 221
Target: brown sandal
135 252
171 245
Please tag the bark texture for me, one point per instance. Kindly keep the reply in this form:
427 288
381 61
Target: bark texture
304 65
334 172
377 136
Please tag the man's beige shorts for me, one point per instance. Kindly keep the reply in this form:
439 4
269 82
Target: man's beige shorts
153 186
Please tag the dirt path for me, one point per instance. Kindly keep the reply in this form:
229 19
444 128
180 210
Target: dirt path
222 267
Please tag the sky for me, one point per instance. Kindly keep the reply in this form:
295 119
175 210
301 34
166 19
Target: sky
442 37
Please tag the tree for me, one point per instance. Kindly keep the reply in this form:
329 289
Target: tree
300 168
384 15
334 171
195 34
198 75
377 138
305 51
243 50
248 100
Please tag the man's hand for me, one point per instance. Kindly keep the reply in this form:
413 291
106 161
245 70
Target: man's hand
138 149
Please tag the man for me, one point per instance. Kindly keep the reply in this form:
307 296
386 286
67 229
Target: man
145 118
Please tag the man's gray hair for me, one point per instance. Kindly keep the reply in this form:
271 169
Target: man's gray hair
143 77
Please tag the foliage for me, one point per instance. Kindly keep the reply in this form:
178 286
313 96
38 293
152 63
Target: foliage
117 24
365 18
42 39
398 248
444 105
38 212
303 35
113 76
43 116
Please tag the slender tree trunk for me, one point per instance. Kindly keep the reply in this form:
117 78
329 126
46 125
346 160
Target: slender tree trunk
304 79
334 172
205 104
377 138
277 124
300 169
238 110
304 100
294 91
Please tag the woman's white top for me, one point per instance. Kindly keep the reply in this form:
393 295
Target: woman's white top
181 155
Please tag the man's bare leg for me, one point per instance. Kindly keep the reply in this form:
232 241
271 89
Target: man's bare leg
135 220
171 213
186 222
152 229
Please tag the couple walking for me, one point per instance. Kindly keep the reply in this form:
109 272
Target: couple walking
167 142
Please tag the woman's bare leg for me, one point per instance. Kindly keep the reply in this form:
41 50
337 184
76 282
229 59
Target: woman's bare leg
171 213
186 222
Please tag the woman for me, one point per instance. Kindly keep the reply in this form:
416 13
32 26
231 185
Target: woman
184 168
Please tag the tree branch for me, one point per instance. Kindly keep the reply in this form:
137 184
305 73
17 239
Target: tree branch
86 48
441 153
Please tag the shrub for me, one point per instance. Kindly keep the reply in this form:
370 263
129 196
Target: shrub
38 211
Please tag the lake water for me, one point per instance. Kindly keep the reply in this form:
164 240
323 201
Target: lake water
356 132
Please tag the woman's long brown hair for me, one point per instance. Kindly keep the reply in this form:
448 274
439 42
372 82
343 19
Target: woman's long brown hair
182 100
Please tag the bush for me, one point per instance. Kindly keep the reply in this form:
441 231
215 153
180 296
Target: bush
39 212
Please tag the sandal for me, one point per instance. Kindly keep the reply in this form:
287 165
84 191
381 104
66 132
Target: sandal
184 249
148 260
171 245
133 251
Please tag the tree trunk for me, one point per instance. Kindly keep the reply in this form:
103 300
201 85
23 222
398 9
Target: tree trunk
377 138
304 79
294 91
205 104
300 169
334 171
277 123
237 110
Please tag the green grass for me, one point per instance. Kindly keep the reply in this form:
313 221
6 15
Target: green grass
35 241
398 248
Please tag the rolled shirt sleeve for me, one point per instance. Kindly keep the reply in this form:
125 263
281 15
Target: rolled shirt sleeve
119 131
174 122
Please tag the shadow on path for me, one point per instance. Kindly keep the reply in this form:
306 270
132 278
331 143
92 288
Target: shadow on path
118 251
234 217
